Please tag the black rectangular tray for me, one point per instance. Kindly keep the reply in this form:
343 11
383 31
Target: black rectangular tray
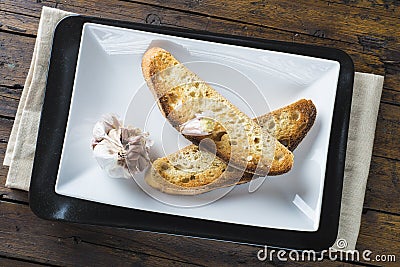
46 204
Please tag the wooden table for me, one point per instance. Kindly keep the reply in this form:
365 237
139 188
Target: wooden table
369 30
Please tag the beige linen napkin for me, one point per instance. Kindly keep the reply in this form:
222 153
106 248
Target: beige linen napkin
366 98
367 92
22 142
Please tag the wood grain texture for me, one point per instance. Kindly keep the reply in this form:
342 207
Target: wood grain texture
388 126
119 246
5 128
390 97
8 106
15 58
18 24
9 99
367 52
381 7
54 245
305 16
367 30
383 185
368 57
380 234
28 7
17 263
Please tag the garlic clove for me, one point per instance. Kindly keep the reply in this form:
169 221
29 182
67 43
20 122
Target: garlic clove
107 160
111 121
198 126
99 131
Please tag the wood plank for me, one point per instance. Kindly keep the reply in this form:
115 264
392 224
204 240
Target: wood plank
387 143
17 23
315 18
133 12
31 8
5 129
391 61
23 231
365 60
17 263
13 92
382 7
119 245
73 252
390 97
8 106
382 226
15 58
167 15
383 187
368 54
9 99
380 233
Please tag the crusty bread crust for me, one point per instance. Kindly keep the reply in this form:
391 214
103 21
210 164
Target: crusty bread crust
171 85
293 122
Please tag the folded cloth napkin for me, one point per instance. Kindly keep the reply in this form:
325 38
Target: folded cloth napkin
364 110
22 142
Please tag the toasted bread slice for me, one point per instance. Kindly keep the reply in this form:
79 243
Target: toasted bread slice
191 171
182 95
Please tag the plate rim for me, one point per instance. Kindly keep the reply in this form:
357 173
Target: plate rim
47 204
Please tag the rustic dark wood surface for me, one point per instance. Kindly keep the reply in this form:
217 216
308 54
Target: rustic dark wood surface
369 30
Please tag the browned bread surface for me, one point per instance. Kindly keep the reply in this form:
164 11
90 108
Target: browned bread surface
191 171
181 95
292 122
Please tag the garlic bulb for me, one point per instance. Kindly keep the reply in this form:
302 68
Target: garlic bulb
120 151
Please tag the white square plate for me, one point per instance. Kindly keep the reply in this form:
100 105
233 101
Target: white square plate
109 80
